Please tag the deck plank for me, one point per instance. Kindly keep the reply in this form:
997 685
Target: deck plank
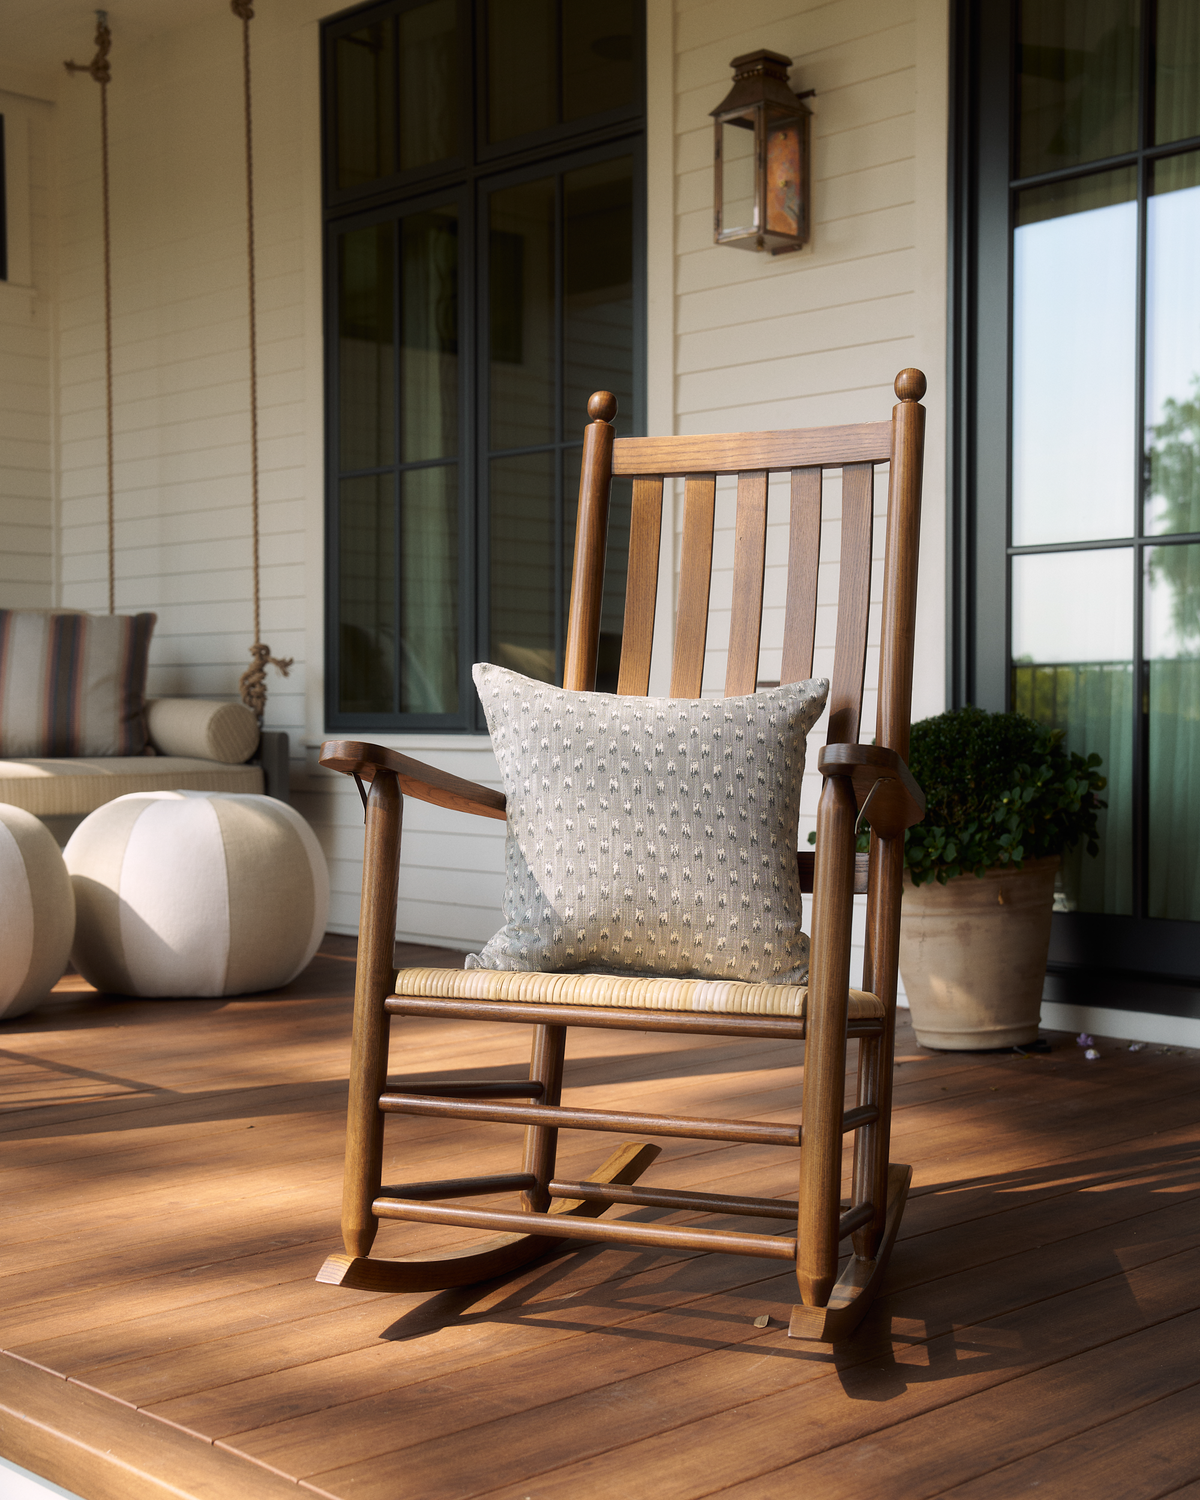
1140 1455
172 1171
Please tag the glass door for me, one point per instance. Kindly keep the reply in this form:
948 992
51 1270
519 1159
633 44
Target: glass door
1078 535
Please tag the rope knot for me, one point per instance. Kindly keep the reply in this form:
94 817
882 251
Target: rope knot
99 68
253 682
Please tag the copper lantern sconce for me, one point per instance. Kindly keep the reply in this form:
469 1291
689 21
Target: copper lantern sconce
761 158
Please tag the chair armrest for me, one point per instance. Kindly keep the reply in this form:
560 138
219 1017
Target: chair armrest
880 777
426 783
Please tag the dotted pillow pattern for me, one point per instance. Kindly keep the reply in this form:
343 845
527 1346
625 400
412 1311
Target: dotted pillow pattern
650 835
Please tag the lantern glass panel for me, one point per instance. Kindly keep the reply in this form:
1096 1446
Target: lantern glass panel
783 174
737 175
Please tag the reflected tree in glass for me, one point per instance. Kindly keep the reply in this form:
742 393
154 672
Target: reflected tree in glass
1175 484
1173 654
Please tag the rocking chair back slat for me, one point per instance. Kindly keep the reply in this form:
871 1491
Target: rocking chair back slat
641 587
695 577
749 562
854 602
854 450
804 555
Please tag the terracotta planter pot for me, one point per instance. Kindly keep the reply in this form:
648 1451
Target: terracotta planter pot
973 955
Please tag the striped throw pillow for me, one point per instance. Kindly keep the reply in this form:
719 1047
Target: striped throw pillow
72 684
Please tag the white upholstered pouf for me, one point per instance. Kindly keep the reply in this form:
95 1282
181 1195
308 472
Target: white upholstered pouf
195 893
37 912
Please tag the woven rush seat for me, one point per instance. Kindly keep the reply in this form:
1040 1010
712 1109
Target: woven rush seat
622 992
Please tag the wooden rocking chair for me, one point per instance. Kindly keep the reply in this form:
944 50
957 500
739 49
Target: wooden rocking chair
861 782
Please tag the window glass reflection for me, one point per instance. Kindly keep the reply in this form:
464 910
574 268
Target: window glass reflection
1074 360
1073 670
1077 75
367 595
429 334
365 119
430 72
597 57
429 590
1073 606
598 290
521 69
1172 633
366 346
1173 346
524 634
1177 70
521 319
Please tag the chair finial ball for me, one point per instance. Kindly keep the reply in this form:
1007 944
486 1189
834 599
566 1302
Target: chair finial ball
602 407
910 385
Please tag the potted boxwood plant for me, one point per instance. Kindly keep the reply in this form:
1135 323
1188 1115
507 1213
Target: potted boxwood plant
1004 802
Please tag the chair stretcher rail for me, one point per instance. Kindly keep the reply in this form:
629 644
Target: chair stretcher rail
616 1232
608 1192
673 1198
749 1132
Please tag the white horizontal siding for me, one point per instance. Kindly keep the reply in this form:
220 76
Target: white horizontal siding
814 337
26 407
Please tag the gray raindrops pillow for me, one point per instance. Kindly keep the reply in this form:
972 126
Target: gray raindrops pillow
650 835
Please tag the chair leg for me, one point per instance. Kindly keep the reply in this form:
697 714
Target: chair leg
372 983
541 1142
875 1180
825 1047
873 1144
857 1285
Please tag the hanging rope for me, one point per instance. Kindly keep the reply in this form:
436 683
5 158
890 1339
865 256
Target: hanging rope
253 683
100 69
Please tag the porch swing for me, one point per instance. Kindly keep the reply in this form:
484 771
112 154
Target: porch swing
273 751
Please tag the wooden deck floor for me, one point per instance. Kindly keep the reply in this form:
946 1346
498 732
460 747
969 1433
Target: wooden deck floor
171 1176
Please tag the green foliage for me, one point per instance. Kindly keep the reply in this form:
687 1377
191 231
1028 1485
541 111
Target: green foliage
999 789
1175 480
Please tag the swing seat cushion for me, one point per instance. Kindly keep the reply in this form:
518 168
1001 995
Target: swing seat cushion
650 835
69 788
195 893
72 684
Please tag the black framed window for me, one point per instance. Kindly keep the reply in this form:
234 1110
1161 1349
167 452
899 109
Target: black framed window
484 274
1076 459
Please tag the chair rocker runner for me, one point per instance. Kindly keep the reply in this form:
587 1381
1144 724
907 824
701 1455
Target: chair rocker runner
861 782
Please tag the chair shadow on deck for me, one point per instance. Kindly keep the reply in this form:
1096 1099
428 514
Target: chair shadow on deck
996 1272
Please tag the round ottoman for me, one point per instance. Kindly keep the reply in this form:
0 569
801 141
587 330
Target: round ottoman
195 893
37 912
